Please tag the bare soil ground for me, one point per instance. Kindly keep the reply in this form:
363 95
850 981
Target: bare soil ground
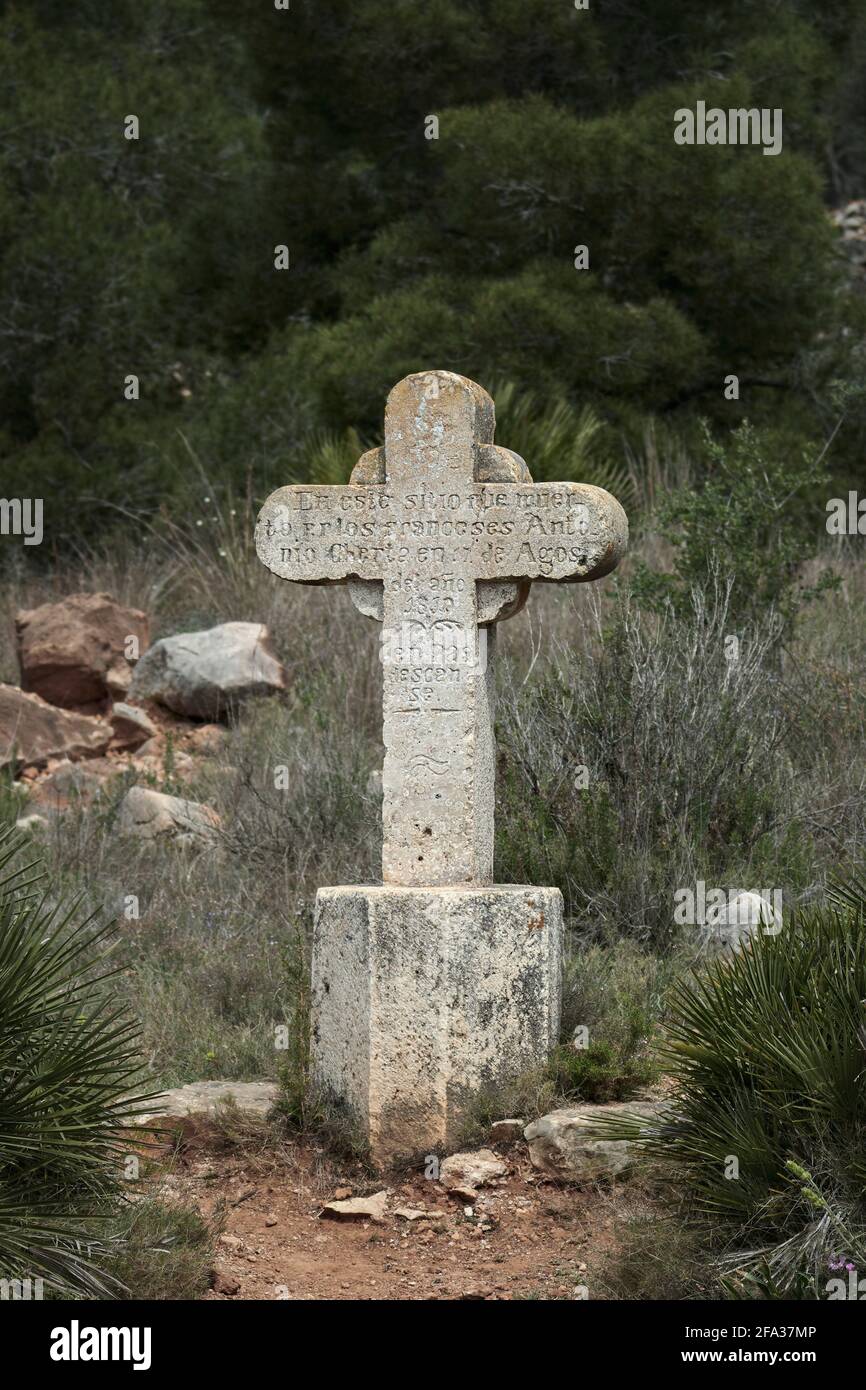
523 1238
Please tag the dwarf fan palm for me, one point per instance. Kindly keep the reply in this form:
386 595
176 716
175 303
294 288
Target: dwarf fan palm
69 1067
768 1051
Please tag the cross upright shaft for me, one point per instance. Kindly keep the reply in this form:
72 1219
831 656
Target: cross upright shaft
452 528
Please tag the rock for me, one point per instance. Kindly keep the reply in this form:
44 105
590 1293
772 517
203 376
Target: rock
32 731
73 653
463 1193
411 1214
341 1193
271 1220
206 1097
506 1131
31 823
467 1171
735 923
225 1283
132 726
206 675
560 1143
67 784
207 738
152 749
151 815
851 221
358 1208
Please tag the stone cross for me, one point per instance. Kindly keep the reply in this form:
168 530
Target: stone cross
437 983
439 532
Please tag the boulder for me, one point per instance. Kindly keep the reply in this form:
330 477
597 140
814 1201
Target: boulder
32 732
206 675
462 1173
151 815
208 739
733 925
562 1145
132 726
73 653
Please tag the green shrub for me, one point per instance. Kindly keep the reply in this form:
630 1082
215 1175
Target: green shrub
747 529
766 1136
598 1072
647 760
161 1250
69 1071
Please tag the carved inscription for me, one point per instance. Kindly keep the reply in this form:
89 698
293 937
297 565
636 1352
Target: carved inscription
430 532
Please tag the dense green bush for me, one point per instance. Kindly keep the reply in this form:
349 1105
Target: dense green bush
261 128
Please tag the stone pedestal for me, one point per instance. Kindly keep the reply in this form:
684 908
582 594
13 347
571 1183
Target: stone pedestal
424 996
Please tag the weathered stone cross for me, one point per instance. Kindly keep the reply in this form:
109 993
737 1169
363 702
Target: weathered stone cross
438 982
451 528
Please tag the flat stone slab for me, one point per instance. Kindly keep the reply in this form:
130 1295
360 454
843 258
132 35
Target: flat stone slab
32 732
423 996
205 1097
358 1208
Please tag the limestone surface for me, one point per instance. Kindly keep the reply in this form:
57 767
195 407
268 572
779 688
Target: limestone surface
737 922
370 1208
132 726
473 1169
421 997
427 522
206 1097
151 815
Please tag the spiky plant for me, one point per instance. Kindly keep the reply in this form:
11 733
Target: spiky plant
766 1136
559 442
69 1073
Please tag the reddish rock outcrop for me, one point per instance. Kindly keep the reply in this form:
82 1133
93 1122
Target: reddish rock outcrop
74 653
32 732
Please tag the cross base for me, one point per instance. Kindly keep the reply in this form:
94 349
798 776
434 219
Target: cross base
422 997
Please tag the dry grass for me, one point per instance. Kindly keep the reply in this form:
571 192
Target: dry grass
747 775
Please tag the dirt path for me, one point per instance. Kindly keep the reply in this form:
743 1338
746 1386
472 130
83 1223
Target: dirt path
522 1238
